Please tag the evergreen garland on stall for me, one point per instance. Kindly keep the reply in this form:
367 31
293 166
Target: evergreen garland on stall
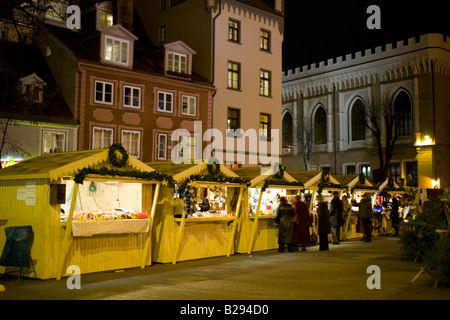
121 162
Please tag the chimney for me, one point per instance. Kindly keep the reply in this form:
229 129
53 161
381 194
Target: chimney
123 13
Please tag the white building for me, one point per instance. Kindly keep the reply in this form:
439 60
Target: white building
412 75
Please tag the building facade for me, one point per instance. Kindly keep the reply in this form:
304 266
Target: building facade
34 118
238 47
327 103
124 89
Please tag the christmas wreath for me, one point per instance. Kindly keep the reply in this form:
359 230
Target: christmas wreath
280 172
213 168
117 155
325 176
362 178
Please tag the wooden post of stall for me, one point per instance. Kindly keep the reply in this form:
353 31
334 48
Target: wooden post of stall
233 231
66 242
255 223
147 247
179 236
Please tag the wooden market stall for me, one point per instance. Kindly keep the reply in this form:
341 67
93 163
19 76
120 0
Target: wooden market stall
184 232
357 185
76 204
318 182
258 229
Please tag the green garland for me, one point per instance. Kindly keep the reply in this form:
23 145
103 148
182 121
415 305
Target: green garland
363 188
330 185
281 183
112 155
210 178
153 175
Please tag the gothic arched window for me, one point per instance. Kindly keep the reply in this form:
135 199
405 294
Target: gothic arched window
287 130
320 126
403 114
358 118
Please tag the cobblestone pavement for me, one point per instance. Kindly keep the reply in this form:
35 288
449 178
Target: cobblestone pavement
337 274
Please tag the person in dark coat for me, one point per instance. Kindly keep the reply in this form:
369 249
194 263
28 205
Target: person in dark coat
366 214
336 209
395 215
324 223
302 222
285 215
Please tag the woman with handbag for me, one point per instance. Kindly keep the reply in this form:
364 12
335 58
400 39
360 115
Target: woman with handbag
302 224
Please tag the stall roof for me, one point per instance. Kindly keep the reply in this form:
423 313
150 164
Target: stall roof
308 178
257 175
352 180
395 186
181 172
57 165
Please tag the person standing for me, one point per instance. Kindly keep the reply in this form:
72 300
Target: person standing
366 213
285 215
302 222
336 209
324 223
394 215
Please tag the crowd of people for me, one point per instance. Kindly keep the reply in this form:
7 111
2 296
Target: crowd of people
295 223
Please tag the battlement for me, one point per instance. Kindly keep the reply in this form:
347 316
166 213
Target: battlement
434 40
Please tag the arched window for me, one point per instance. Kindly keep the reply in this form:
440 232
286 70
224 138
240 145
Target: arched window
287 130
358 118
320 126
403 114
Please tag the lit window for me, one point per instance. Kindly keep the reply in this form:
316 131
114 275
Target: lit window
177 63
234 119
103 92
165 101
102 137
162 146
233 30
264 83
131 142
105 19
365 170
264 39
234 75
264 125
53 142
189 105
116 50
131 97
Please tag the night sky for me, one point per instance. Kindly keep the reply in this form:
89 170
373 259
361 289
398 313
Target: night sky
319 30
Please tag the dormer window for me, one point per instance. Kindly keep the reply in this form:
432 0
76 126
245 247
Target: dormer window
178 59
32 88
177 63
116 50
104 15
117 45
